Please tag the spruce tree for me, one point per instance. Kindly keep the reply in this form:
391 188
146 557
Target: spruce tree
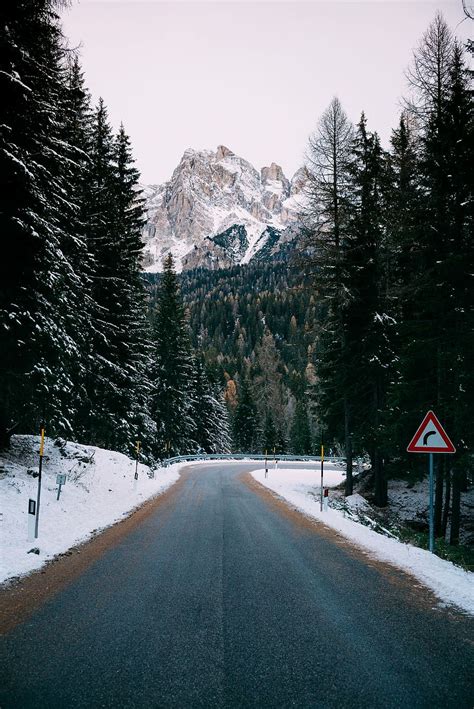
437 368
106 419
300 434
134 346
270 435
77 301
245 422
36 274
210 414
172 371
366 322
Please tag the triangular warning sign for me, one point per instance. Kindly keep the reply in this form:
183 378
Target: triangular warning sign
431 437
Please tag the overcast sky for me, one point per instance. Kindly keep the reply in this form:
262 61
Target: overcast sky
253 76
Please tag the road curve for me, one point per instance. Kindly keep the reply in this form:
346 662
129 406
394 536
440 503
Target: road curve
220 598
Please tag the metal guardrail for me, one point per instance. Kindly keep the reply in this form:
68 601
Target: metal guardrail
250 457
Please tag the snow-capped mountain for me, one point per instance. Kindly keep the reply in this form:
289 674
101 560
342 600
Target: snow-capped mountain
218 210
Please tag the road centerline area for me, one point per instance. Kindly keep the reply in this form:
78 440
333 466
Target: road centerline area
221 600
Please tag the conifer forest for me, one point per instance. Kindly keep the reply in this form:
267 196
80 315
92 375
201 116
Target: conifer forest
363 322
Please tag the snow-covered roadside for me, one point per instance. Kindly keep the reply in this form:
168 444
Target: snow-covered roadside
99 491
300 487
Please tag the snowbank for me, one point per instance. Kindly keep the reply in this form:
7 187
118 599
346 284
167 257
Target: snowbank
99 491
450 583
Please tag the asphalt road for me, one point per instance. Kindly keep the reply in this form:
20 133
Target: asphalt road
221 599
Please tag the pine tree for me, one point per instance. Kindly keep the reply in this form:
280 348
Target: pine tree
36 275
172 372
245 423
270 435
300 434
106 419
366 322
77 300
458 277
134 346
437 369
210 414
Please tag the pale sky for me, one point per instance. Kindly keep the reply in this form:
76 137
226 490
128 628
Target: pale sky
253 76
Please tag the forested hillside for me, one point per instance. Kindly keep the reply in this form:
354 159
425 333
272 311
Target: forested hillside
258 321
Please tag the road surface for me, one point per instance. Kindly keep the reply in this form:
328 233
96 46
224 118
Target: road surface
221 598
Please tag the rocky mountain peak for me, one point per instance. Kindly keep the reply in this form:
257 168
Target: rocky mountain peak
272 173
217 210
223 152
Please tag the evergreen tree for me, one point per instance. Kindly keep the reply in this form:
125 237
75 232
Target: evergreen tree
270 435
300 434
106 420
245 423
436 367
134 346
77 301
172 372
210 414
366 322
36 274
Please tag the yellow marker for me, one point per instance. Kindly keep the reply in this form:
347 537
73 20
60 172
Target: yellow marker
138 447
322 452
42 443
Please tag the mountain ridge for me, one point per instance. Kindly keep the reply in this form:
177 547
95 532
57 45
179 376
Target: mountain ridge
218 210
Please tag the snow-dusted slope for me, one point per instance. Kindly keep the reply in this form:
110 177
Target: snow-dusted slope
100 490
218 210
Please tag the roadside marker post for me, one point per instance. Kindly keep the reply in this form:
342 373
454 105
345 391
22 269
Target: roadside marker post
135 477
137 448
40 470
322 475
31 519
266 464
431 438
60 480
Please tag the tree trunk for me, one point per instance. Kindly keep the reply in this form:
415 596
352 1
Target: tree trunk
378 466
348 447
439 496
456 507
381 497
447 500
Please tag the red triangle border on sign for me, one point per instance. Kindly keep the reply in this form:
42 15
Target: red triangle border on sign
431 418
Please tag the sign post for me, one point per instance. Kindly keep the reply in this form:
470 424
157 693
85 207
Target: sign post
40 470
31 519
135 477
60 481
322 475
431 438
137 448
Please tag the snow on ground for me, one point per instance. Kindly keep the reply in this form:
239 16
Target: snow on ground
300 487
99 491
